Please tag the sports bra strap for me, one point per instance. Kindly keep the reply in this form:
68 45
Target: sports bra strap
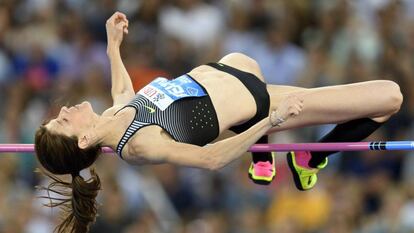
131 130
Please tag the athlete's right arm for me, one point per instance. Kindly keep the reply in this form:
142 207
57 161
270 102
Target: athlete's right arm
217 155
122 90
151 148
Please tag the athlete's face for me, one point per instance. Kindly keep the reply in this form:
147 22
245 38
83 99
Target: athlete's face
73 120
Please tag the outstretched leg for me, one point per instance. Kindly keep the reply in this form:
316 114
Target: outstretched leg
377 100
361 106
358 108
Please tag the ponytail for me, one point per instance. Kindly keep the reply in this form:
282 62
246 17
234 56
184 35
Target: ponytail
60 154
78 205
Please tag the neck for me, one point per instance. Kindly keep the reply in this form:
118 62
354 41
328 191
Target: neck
108 130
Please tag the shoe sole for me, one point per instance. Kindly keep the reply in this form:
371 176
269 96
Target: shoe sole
261 182
295 175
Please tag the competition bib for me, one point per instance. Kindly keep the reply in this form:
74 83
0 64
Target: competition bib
163 92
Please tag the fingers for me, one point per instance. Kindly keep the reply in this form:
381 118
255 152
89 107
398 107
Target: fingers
289 107
296 109
293 111
299 106
116 18
122 26
120 15
295 105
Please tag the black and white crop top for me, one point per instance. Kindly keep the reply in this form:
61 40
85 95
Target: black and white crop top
180 106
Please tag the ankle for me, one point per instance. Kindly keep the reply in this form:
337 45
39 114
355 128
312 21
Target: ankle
315 161
262 157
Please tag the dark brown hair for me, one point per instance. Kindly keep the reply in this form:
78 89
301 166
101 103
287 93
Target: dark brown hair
60 154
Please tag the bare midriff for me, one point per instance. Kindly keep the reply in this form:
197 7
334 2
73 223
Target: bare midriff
233 103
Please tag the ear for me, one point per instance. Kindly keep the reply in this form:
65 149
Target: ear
84 141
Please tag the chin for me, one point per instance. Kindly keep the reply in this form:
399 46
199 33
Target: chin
87 105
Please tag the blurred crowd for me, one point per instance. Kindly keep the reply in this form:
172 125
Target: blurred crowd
53 53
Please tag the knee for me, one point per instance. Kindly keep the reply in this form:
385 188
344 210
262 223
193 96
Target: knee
391 98
395 97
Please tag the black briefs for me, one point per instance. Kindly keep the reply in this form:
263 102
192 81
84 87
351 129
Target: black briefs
256 87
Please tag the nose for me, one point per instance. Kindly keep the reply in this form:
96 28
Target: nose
64 109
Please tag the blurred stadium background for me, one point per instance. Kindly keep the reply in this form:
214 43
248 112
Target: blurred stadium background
53 52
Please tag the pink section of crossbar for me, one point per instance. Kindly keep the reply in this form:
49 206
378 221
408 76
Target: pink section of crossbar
341 146
29 148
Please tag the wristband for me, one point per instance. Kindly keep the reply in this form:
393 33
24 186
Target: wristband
279 121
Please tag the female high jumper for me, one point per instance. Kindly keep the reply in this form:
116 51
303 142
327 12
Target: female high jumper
175 121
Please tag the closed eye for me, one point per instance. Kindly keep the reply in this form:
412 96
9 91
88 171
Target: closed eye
58 122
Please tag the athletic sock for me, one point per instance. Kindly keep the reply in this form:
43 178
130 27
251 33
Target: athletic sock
262 156
351 131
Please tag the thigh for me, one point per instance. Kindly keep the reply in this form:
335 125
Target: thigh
336 104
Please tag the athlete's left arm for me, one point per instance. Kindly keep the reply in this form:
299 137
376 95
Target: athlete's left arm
213 156
122 90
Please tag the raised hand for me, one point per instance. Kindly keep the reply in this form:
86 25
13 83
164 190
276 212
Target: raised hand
116 26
